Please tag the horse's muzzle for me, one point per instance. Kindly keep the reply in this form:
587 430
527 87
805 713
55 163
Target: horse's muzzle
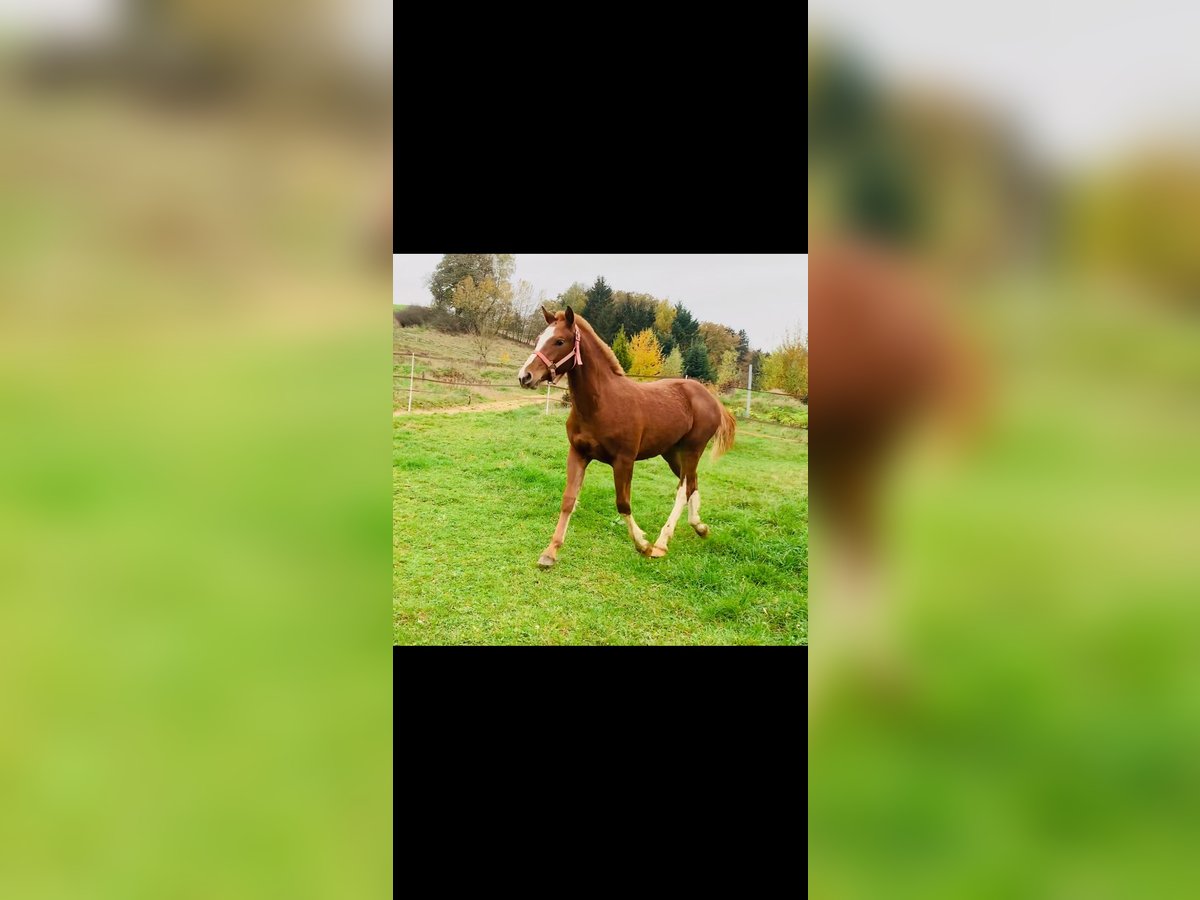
526 380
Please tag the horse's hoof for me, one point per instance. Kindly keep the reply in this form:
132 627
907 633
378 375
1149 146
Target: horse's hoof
702 530
546 561
656 552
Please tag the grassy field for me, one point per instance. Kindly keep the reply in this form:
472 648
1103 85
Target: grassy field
462 364
476 498
768 407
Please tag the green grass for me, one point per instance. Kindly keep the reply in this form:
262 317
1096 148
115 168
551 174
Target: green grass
766 407
476 499
503 360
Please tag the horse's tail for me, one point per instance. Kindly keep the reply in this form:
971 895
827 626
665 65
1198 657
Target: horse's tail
725 433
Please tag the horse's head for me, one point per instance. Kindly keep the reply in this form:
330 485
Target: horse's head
556 351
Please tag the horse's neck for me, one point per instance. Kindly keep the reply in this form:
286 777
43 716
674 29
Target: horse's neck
589 381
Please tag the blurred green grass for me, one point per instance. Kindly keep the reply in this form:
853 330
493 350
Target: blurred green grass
1028 727
193 515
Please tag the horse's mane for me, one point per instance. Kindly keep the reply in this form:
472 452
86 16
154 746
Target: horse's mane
609 356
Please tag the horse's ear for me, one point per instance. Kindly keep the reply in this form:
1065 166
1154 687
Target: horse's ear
570 317
549 316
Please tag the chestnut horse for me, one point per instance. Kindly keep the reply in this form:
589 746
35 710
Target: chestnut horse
616 420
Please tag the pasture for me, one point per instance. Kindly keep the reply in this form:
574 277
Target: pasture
443 359
476 498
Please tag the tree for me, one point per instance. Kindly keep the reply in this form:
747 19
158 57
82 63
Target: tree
695 361
620 347
727 373
485 306
683 328
522 309
673 364
634 311
787 368
646 355
718 339
664 316
743 346
479 267
599 307
756 359
575 296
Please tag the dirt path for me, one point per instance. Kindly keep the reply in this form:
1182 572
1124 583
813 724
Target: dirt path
494 406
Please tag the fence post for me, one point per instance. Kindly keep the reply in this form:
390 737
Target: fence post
411 369
547 412
749 381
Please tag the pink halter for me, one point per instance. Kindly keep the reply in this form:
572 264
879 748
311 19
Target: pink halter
573 352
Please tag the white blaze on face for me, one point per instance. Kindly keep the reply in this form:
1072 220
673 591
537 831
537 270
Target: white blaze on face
541 342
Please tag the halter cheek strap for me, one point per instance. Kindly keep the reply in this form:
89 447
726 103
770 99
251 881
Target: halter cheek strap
573 352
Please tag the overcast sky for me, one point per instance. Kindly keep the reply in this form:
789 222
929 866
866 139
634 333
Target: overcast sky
764 294
1083 78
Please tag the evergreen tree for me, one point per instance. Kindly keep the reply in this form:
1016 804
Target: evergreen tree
695 361
637 313
743 346
683 328
600 310
620 347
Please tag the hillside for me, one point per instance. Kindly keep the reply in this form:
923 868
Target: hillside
448 374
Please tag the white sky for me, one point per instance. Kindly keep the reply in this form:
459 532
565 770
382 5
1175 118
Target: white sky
765 294
60 18
364 25
1082 79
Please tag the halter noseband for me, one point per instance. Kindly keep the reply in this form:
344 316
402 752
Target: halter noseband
573 352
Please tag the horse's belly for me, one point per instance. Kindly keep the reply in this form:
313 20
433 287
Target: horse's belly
659 444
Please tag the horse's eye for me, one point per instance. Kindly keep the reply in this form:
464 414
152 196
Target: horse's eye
558 343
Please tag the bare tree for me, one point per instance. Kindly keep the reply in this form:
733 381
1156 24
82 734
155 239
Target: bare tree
523 307
485 307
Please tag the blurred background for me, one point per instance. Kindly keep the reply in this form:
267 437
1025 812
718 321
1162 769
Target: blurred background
1004 220
195 264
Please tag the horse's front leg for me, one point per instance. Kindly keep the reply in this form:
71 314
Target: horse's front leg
576 467
623 478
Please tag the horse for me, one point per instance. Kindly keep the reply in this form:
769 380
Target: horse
890 356
618 421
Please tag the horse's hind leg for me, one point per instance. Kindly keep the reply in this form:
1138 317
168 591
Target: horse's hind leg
664 536
576 468
690 463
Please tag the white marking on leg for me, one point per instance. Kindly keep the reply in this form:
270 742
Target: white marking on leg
639 536
668 530
694 514
550 554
